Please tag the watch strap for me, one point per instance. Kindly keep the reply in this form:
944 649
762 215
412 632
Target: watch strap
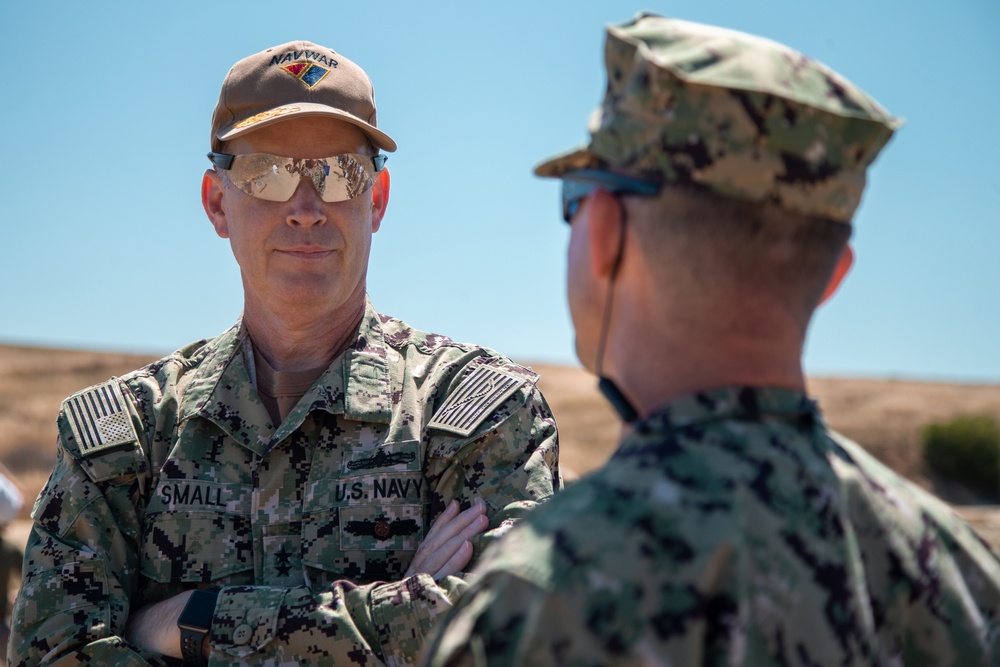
201 605
191 643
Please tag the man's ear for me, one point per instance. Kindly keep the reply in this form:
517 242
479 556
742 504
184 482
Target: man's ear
380 198
211 200
605 231
844 265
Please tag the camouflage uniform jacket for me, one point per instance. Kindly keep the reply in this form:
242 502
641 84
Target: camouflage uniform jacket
732 528
308 526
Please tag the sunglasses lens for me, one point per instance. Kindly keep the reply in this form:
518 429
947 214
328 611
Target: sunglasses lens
263 176
573 194
343 177
570 209
577 184
275 178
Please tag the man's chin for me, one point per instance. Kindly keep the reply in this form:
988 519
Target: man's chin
304 295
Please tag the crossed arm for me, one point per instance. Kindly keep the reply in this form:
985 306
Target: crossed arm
445 550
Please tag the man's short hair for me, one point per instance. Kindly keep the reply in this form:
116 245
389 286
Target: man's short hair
738 245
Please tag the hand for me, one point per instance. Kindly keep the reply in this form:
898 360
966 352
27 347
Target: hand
446 549
154 627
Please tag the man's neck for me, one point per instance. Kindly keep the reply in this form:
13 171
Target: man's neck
303 339
653 364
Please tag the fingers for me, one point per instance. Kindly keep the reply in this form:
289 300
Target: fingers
446 546
449 513
457 562
448 526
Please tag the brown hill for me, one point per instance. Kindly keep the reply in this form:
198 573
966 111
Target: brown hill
884 415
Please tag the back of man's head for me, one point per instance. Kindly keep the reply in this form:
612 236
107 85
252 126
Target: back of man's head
761 153
748 255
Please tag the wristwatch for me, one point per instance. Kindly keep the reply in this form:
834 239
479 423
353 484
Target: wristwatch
195 622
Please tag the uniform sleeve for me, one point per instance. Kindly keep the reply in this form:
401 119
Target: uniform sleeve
381 623
80 570
511 462
509 621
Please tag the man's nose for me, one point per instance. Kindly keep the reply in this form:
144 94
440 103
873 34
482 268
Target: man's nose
305 206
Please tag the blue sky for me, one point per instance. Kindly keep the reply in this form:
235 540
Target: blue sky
107 105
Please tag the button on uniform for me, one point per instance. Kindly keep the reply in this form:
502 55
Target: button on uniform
242 634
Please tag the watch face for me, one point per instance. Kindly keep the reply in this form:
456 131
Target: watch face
199 610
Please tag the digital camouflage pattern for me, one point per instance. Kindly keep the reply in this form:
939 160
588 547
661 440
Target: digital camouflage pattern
732 528
308 526
743 116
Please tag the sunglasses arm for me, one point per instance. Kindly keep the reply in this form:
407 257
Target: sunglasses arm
222 160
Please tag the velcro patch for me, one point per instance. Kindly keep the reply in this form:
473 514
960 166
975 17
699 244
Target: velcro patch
475 400
98 418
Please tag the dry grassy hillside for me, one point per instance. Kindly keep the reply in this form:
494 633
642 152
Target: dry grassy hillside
884 415
33 382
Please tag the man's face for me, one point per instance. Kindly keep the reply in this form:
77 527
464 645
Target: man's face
304 253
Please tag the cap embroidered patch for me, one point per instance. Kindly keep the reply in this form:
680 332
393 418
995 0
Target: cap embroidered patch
264 115
307 73
475 400
98 418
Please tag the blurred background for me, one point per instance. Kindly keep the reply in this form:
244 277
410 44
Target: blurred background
106 110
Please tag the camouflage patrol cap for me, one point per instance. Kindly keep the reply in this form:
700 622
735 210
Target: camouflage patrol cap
290 80
743 116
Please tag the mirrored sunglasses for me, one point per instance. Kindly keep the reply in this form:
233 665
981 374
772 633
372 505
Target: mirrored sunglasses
576 185
275 178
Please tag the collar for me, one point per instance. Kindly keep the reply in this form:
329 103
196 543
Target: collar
356 384
739 403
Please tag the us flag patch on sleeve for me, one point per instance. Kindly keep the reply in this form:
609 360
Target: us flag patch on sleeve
475 399
98 418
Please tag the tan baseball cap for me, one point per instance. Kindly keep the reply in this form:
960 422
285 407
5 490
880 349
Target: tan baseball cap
295 79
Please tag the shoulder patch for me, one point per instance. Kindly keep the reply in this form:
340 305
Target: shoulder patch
475 400
98 418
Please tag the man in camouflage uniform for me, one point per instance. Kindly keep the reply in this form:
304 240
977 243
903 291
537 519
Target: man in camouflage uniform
329 468
731 527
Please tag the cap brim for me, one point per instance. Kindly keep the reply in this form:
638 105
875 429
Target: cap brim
579 158
278 114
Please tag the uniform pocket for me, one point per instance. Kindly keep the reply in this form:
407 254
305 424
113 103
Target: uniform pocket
365 517
195 546
368 536
197 531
